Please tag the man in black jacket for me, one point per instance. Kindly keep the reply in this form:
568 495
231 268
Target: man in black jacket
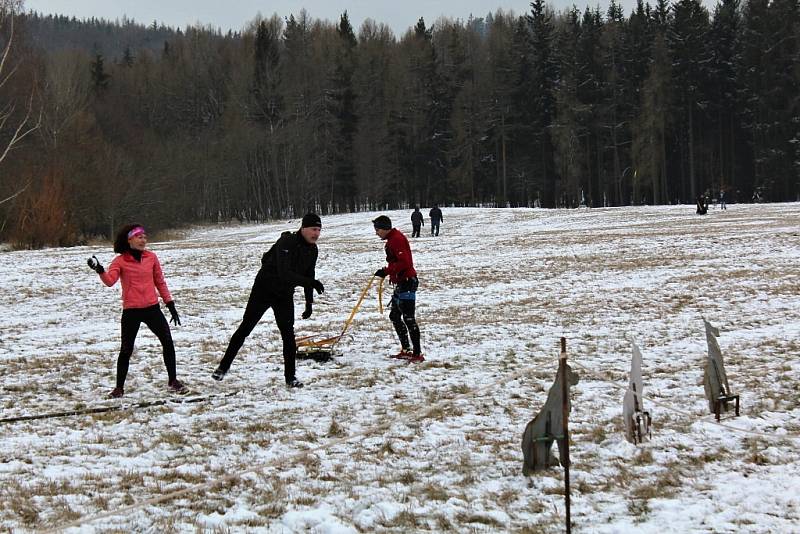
436 218
417 222
288 264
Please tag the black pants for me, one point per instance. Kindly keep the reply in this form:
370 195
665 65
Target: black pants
434 227
258 303
157 323
402 314
415 230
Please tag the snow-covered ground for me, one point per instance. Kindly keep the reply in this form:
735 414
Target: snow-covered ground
372 444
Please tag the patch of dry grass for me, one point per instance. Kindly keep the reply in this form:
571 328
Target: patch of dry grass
335 430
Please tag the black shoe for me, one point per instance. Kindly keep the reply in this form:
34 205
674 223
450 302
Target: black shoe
293 383
177 386
218 375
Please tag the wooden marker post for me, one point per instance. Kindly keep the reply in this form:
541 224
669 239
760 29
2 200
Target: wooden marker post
562 367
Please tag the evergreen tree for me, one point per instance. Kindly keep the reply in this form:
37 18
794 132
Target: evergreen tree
590 91
128 57
424 118
378 138
521 117
469 111
343 191
636 42
687 40
651 128
784 100
615 182
723 98
544 76
568 128
501 76
99 77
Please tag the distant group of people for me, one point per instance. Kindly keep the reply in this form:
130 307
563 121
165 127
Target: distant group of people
705 198
288 264
417 221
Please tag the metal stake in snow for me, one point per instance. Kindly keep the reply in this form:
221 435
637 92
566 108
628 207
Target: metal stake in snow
550 425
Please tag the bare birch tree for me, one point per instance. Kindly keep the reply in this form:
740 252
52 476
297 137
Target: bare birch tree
13 128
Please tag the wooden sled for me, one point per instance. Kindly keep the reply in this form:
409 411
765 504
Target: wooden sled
318 350
324 350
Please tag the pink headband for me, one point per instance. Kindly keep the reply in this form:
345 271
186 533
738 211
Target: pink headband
136 231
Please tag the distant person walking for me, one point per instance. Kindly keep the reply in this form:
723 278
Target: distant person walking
401 272
722 204
142 283
288 264
702 205
436 218
417 222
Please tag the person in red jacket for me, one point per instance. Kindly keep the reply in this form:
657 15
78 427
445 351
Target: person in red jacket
400 270
142 283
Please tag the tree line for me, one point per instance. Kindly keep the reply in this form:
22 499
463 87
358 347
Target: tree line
175 126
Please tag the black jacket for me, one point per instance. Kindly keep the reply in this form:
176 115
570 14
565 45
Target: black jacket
288 264
416 218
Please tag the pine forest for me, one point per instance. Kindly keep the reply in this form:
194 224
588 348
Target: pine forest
103 122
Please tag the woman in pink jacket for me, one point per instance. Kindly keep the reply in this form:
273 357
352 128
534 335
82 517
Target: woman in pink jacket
141 277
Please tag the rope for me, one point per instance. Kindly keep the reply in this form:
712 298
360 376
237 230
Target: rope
358 305
419 415
700 418
305 341
119 408
332 341
380 297
416 415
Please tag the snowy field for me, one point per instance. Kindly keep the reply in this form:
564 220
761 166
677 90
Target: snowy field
375 445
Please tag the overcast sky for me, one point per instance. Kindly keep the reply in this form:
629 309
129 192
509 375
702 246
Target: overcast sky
234 14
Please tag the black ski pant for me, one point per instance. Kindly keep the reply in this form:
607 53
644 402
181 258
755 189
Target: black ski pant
434 227
415 230
258 303
157 323
402 314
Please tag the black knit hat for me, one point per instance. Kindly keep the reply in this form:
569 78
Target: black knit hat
382 222
311 220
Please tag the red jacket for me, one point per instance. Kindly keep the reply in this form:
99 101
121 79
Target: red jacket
140 280
398 254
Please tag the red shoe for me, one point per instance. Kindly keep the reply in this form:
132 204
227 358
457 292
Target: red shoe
403 355
116 393
416 358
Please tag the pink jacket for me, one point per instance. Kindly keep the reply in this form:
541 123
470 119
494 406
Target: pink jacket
140 280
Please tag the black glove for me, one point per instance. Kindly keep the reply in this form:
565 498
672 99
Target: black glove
307 312
317 285
176 320
381 272
94 264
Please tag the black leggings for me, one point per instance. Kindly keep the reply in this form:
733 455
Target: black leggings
157 323
402 314
257 305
